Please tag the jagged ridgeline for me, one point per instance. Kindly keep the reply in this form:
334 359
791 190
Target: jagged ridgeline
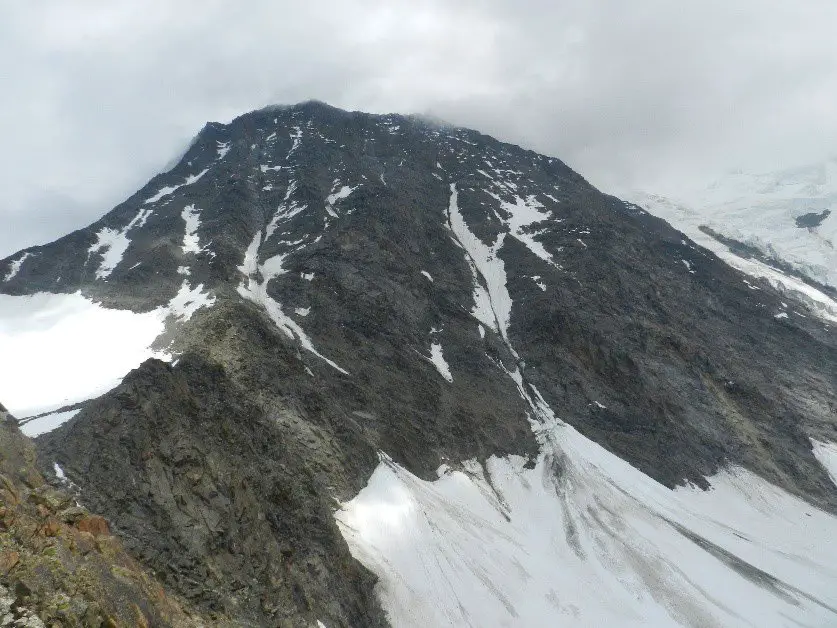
405 374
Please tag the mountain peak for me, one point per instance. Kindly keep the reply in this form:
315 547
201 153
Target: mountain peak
460 342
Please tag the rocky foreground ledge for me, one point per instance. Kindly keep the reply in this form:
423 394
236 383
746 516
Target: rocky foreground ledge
59 564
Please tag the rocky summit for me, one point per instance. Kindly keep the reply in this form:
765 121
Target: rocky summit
385 371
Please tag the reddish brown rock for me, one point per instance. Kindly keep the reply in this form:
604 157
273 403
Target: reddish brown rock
94 524
52 527
8 561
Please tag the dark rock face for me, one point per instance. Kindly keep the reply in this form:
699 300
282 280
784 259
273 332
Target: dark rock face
223 500
59 565
812 219
680 377
326 238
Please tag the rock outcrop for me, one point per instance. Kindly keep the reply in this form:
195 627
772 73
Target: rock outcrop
59 564
230 503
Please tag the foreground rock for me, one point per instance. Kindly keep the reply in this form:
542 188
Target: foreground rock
59 564
231 505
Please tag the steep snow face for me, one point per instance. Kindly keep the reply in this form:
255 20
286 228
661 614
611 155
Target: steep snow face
584 539
689 222
791 214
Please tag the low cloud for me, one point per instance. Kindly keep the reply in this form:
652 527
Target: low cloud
97 96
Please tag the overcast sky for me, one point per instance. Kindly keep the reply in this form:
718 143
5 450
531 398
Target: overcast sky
97 96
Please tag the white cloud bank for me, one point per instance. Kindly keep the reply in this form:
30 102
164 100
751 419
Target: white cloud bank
97 97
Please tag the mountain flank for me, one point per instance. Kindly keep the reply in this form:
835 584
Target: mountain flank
343 293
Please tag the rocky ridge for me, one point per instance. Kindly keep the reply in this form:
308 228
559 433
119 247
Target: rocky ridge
59 564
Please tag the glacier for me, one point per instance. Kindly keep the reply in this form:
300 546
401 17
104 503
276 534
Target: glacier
584 539
762 211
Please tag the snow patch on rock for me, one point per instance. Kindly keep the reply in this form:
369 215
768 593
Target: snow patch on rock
492 302
171 189
339 192
189 300
192 219
826 453
111 244
286 210
522 214
14 269
256 291
296 136
437 358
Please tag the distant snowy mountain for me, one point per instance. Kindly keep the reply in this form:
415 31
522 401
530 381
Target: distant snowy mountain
338 369
785 220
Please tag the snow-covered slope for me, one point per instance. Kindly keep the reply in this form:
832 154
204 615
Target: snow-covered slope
62 349
581 537
788 217
598 544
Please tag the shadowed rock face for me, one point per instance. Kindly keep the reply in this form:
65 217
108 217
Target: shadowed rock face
59 565
812 219
222 471
230 502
